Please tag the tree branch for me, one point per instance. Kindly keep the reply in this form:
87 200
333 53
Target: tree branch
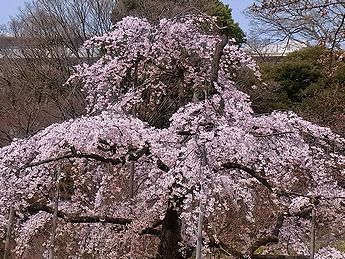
76 154
217 56
335 39
35 208
162 166
251 172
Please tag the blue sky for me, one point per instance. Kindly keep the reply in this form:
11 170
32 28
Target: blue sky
238 7
10 8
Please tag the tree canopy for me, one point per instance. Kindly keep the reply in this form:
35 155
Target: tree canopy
138 187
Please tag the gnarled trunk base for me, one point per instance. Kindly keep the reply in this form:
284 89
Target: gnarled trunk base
170 237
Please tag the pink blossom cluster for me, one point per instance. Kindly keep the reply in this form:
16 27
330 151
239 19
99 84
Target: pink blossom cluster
279 155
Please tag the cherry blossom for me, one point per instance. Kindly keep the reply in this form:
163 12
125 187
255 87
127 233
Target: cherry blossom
211 151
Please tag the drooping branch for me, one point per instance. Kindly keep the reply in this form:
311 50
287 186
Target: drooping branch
77 219
277 191
93 156
113 161
285 193
35 208
251 172
49 160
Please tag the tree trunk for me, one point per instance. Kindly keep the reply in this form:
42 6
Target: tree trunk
312 242
8 233
131 179
199 241
170 237
55 218
201 213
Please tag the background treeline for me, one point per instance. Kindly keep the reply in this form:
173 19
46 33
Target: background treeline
310 81
44 42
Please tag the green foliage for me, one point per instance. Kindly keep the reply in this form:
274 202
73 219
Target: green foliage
259 250
223 13
156 9
295 78
310 81
340 245
298 74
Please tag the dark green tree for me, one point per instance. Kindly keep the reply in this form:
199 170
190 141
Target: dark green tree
305 82
156 9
